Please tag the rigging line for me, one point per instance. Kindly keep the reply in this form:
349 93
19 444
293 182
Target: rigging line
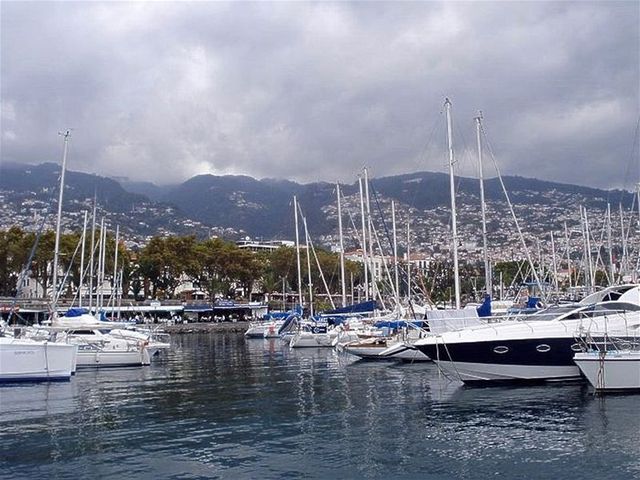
64 280
384 263
515 218
384 223
34 248
437 122
627 176
27 267
304 221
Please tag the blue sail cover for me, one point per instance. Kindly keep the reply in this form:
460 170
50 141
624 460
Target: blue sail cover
484 310
289 323
297 310
364 307
395 324
533 302
76 312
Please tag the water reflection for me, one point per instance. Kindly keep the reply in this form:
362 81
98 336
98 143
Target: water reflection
222 406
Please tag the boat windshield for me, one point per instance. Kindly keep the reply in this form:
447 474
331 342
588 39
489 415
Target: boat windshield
596 310
550 313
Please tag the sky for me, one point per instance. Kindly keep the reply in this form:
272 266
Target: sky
309 91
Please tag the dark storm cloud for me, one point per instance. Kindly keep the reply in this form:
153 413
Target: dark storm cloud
309 91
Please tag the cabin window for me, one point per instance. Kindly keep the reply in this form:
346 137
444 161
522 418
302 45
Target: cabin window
543 348
576 347
501 349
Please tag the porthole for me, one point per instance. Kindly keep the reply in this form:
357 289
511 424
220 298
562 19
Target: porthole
576 347
501 349
544 348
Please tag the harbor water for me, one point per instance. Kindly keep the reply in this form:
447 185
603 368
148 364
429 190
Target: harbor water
222 406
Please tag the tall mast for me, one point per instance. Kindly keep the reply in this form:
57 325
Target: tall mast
612 269
408 264
554 263
56 251
120 291
91 261
295 215
587 234
374 286
306 236
485 249
103 249
342 278
364 242
81 280
395 254
114 290
454 231
566 236
623 261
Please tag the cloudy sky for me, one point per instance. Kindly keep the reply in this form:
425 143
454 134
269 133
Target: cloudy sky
314 91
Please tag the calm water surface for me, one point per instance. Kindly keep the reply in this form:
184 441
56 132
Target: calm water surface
220 406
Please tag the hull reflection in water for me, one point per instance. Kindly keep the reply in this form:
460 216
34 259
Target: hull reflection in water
221 406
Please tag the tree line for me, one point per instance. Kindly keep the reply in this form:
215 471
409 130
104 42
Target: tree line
215 266
218 267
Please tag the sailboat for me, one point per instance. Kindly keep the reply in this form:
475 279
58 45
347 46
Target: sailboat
23 359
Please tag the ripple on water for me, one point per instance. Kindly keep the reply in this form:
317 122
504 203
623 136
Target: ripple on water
219 406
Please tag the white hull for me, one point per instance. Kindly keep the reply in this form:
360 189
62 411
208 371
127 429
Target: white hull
613 371
255 331
24 360
366 352
91 357
311 340
400 351
488 372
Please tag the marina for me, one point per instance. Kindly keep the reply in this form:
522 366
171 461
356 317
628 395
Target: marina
320 240
223 406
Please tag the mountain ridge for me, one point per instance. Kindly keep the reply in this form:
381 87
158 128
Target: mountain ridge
262 208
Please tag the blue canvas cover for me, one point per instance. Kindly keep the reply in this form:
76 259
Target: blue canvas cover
484 310
363 307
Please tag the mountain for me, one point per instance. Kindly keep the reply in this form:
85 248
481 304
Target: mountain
30 192
41 180
150 190
263 207
236 205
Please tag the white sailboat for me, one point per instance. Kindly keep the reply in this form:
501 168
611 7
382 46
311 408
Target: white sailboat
610 370
610 363
24 359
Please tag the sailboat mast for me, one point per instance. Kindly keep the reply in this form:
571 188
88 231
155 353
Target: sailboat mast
408 263
114 290
103 248
612 269
395 254
342 278
91 260
485 250
364 242
81 279
554 263
56 251
374 286
454 232
566 237
295 215
306 236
